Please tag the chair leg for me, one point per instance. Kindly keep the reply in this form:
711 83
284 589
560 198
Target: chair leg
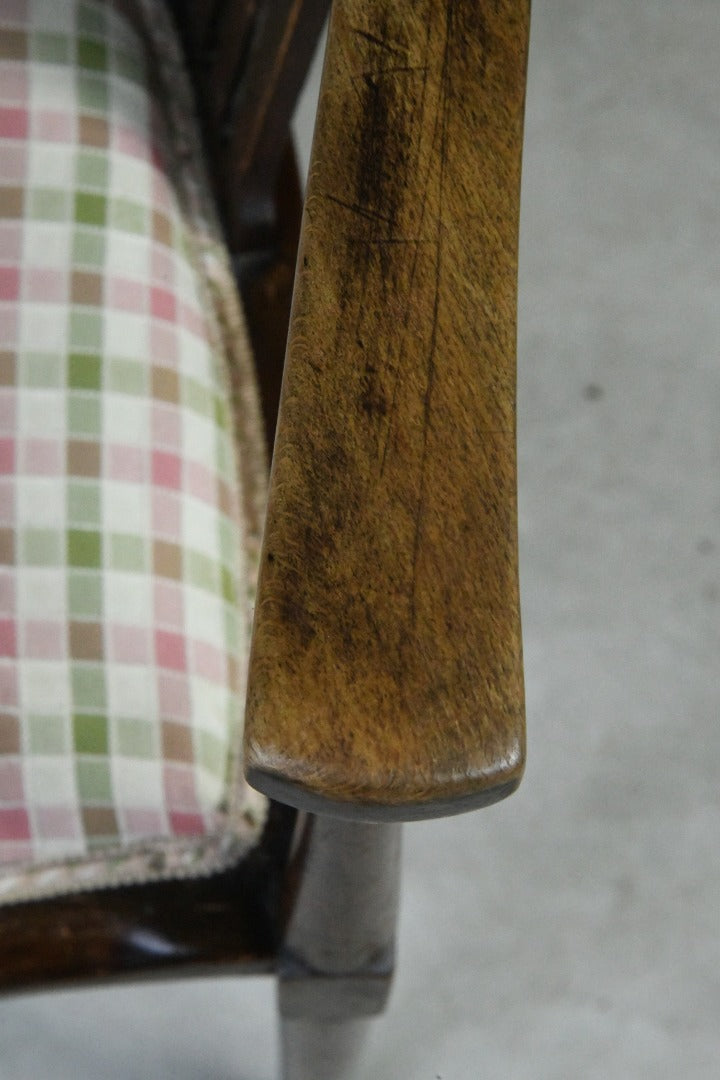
337 961
321 1050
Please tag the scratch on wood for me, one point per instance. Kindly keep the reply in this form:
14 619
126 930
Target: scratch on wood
363 211
380 42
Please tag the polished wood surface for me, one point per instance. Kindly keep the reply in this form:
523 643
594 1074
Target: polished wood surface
386 673
230 922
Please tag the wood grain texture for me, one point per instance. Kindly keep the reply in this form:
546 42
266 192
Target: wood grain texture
386 673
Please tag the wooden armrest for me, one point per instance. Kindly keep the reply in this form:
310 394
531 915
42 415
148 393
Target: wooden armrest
386 671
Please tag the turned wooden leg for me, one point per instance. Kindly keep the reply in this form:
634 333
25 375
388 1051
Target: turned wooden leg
321 1050
337 962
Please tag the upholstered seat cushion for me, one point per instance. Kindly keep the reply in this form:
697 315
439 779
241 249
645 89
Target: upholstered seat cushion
130 463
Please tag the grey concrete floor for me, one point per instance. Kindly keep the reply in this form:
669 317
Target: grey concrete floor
574 930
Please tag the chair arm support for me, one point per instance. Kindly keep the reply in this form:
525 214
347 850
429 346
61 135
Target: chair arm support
386 671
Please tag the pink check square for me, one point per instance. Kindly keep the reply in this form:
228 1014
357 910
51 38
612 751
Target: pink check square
9 283
7 457
173 696
183 824
179 783
130 645
53 126
57 823
11 782
46 284
16 11
8 638
130 142
208 661
169 604
143 823
7 502
43 457
201 482
127 295
126 463
9 323
7 591
14 824
8 410
13 84
166 426
44 640
11 237
170 650
166 469
14 123
13 163
8 685
162 303
163 343
166 514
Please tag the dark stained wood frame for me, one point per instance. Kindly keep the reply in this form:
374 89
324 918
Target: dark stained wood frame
247 60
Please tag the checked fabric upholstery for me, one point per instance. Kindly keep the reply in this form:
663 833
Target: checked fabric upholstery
130 464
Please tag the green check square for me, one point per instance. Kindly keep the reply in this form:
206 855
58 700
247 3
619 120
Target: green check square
223 458
129 66
41 547
40 370
84 371
92 170
128 552
130 216
84 506
88 687
221 413
201 571
90 209
92 92
91 20
128 377
49 48
134 738
84 415
88 247
86 331
196 397
47 735
212 753
85 595
228 541
232 629
92 54
84 548
93 781
49 204
228 586
90 734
